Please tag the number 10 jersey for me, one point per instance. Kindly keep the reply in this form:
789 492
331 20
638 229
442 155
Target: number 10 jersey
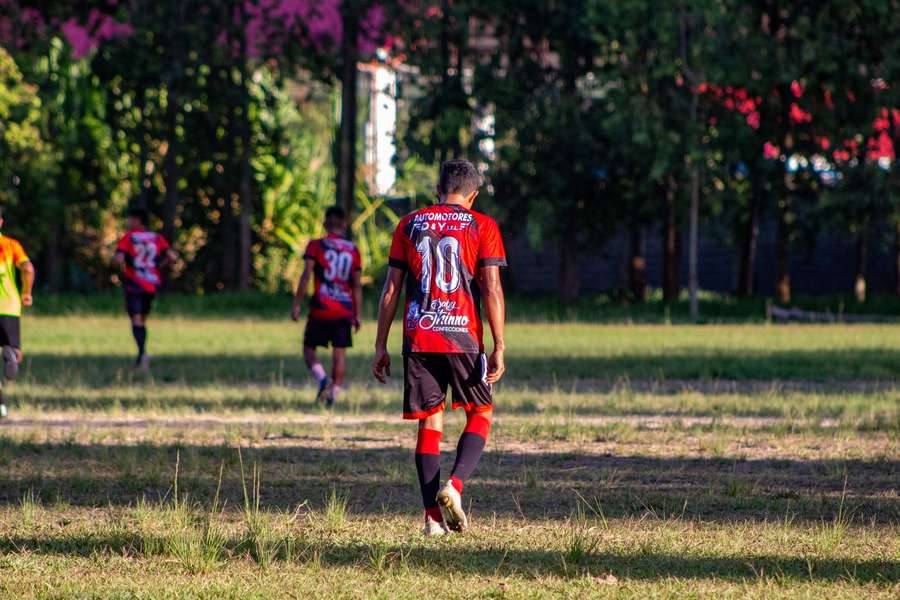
442 249
335 260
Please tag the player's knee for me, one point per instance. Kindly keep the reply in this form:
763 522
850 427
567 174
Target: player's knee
19 355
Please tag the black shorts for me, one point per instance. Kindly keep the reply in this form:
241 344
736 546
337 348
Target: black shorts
320 332
138 303
427 375
10 332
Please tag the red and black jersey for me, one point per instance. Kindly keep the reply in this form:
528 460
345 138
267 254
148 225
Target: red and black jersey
143 250
336 259
442 249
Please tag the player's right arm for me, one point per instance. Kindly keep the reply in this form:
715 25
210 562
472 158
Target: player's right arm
387 310
302 286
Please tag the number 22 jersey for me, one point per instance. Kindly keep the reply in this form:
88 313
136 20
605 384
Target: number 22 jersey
442 248
142 250
335 260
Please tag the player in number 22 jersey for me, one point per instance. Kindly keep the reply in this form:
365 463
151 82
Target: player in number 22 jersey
336 301
449 256
141 254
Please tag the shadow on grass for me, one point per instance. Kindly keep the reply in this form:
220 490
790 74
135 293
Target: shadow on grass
641 564
813 366
511 484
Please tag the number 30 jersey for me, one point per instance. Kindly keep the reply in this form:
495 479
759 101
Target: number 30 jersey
142 250
336 259
442 249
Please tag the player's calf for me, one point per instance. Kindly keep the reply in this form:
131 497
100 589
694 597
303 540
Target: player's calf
468 453
11 359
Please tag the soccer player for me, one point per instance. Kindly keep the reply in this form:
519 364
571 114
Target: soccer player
141 255
450 257
335 304
12 257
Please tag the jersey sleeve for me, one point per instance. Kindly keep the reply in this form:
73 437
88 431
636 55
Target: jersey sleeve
162 244
398 257
491 252
18 254
357 260
310 252
124 245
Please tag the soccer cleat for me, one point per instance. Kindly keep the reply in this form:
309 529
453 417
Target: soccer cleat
450 502
142 363
434 528
10 362
324 392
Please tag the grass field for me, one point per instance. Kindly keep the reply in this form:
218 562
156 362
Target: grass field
740 460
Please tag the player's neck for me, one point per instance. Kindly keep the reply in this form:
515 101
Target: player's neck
455 200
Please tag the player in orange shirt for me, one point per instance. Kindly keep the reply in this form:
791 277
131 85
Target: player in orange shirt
12 257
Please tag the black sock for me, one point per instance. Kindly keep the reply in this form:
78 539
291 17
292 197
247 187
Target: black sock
428 466
469 449
140 337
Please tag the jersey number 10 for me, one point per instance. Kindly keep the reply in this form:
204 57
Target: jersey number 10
447 270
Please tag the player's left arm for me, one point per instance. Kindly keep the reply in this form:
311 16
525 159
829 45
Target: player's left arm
495 308
27 271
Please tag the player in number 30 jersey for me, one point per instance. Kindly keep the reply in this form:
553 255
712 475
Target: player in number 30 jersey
450 257
335 264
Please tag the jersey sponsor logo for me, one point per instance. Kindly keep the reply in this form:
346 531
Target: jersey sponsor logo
440 317
441 222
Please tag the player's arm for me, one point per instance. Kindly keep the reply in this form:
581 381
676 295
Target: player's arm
387 310
357 297
495 308
119 259
27 271
168 257
300 294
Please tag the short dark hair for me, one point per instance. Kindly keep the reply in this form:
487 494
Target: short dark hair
335 212
138 213
458 176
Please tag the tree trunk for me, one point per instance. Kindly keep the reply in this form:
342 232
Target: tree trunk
783 255
897 259
862 258
170 205
637 265
53 253
694 244
747 270
246 184
569 274
346 175
670 244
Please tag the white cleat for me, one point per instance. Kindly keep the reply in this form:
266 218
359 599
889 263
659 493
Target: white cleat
143 364
3 412
450 502
10 362
433 528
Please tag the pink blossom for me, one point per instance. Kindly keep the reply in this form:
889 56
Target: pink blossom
796 88
798 115
753 119
771 151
